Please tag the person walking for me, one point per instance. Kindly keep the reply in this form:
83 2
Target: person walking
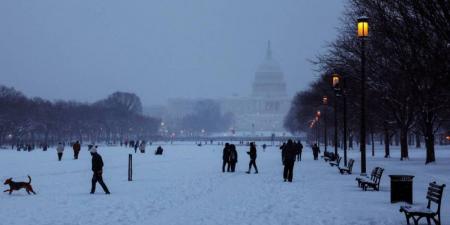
252 154
60 150
97 169
289 153
142 147
226 157
233 158
299 150
316 151
136 146
76 149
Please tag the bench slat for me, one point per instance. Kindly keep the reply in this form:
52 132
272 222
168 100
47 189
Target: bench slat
437 186
433 199
434 194
436 190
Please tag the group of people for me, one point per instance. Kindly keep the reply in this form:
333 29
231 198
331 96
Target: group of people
230 158
97 163
75 146
290 151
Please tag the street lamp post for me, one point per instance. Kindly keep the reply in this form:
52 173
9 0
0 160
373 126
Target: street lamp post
335 82
363 32
339 90
325 138
344 98
318 128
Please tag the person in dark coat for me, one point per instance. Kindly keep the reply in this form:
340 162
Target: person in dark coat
252 154
282 148
299 150
226 157
289 154
136 146
76 149
316 151
233 159
159 151
97 169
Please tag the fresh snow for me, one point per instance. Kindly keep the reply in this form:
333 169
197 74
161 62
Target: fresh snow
186 186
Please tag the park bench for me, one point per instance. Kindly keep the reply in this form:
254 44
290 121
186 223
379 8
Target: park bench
434 195
347 169
366 178
337 162
329 156
373 183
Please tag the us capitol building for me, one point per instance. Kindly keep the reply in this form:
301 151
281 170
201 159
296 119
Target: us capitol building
263 111
268 104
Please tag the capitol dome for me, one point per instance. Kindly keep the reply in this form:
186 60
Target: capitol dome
269 81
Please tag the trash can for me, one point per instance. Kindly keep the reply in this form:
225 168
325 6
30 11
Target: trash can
401 188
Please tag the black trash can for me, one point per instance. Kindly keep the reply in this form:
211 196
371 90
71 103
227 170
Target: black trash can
401 188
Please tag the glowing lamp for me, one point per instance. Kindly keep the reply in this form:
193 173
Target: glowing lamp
335 80
363 27
325 100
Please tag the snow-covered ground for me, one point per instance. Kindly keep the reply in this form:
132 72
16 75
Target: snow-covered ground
186 186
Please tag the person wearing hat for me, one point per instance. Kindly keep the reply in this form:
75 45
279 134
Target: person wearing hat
97 169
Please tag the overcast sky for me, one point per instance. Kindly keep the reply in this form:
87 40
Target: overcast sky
85 50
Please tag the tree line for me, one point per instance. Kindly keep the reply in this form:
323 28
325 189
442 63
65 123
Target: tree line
38 121
408 73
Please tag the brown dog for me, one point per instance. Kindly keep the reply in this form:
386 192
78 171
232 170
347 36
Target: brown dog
14 186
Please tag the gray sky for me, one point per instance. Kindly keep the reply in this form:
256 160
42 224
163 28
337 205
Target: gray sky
85 50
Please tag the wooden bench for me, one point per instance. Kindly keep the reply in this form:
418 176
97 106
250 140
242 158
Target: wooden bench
373 183
347 169
336 163
329 156
434 195
366 178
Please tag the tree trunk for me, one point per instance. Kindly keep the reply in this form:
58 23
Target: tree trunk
403 143
372 141
386 143
418 145
429 143
350 141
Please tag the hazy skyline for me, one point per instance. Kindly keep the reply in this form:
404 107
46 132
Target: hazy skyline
85 50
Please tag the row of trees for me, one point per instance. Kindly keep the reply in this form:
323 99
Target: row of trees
407 67
35 121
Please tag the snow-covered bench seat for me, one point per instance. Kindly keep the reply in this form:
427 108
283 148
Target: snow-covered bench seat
366 178
434 196
336 163
373 183
347 169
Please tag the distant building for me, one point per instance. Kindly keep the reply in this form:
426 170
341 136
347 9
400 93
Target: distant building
263 110
268 104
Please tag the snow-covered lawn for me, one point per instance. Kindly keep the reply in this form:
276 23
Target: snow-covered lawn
186 186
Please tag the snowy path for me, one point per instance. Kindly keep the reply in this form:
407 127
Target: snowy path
186 186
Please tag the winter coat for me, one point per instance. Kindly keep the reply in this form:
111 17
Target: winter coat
252 152
76 147
289 152
226 153
60 148
299 148
316 150
97 162
142 147
233 155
